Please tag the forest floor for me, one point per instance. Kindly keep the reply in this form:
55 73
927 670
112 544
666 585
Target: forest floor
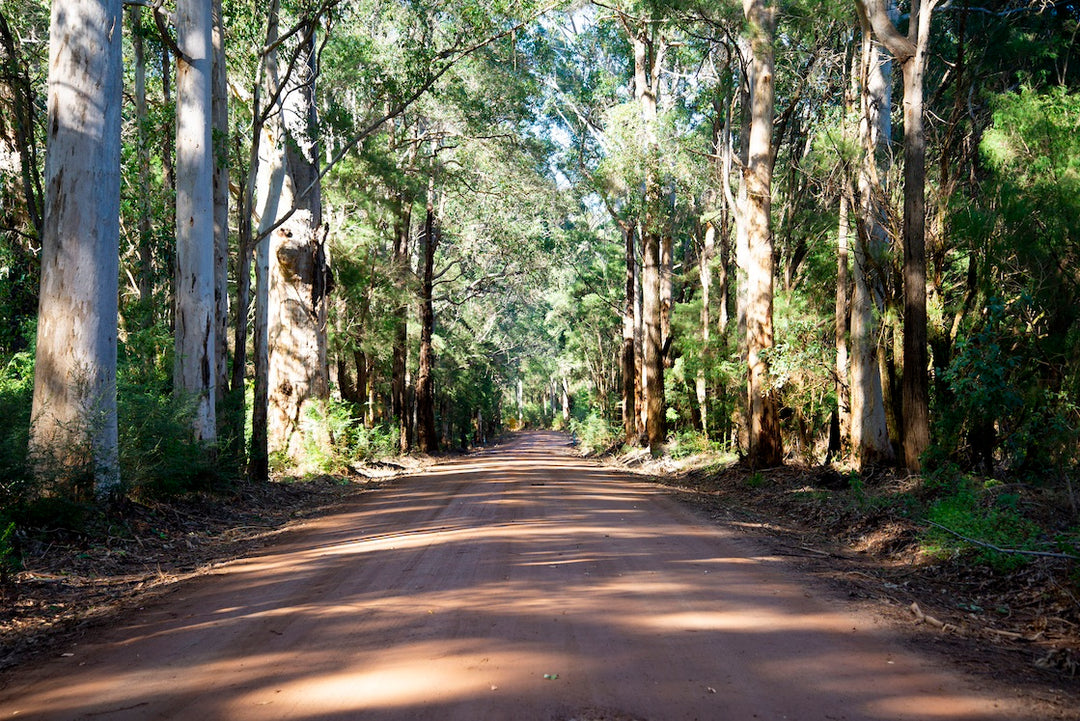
1021 627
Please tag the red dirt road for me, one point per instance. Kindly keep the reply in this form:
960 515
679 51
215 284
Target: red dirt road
521 583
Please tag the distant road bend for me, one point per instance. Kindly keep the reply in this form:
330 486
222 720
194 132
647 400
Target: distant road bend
520 583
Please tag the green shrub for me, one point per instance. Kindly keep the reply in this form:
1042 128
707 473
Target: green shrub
986 517
593 433
335 437
159 456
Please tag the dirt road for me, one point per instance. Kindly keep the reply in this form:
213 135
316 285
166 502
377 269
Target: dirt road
520 583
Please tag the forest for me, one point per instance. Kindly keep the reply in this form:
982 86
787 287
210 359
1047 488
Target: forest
249 240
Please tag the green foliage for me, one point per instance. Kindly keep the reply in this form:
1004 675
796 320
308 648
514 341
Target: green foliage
335 438
158 455
9 559
16 391
755 480
593 433
1011 384
984 516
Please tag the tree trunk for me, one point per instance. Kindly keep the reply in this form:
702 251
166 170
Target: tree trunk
629 394
648 59
265 194
299 272
765 445
910 52
168 181
843 283
869 430
220 140
915 389
425 381
701 388
142 151
398 401
742 246
74 404
194 366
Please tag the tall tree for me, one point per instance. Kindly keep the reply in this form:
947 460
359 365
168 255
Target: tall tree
869 431
765 447
195 369
649 48
910 52
425 379
299 267
220 139
74 406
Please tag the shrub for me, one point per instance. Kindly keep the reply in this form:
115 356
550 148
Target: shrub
593 433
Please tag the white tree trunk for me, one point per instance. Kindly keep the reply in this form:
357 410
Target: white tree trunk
869 430
195 364
74 405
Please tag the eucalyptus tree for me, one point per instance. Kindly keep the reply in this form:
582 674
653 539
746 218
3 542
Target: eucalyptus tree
910 51
74 406
765 447
195 369
869 433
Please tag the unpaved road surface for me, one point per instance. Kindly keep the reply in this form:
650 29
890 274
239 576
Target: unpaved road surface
520 583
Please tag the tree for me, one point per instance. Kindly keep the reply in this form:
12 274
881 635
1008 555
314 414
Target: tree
765 445
195 370
910 52
74 406
869 432
299 282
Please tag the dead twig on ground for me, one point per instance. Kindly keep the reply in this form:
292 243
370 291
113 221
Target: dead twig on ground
999 549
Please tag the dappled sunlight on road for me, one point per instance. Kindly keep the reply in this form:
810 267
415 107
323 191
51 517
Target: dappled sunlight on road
518 584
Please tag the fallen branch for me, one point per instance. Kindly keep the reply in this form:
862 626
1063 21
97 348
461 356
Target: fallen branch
999 549
921 617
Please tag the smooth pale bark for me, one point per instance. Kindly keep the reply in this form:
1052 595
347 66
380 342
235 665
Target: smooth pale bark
272 190
220 139
910 52
765 447
742 242
299 274
195 363
869 429
629 392
74 404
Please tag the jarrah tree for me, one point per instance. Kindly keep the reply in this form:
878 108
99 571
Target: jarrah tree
195 365
74 407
